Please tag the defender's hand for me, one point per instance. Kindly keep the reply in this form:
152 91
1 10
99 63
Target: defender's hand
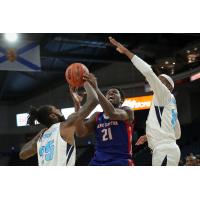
119 47
141 140
77 99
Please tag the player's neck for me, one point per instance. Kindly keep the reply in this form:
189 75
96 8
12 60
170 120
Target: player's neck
116 106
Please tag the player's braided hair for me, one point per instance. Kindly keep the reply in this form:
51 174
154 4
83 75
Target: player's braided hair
41 115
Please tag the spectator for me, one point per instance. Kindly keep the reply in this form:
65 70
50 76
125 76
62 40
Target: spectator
191 160
198 159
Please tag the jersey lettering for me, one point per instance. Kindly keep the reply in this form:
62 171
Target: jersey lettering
174 117
47 150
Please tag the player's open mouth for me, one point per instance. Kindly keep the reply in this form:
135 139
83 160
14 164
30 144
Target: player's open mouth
111 98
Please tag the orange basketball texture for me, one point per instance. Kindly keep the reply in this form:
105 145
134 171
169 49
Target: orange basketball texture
74 74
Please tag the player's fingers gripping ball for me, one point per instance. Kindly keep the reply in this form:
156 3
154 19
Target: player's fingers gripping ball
91 79
74 74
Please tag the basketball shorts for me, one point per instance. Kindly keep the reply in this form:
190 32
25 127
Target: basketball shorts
166 155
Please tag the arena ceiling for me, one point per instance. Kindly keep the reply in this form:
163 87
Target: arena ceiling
169 53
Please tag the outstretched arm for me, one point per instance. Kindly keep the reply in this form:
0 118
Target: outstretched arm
86 109
108 108
160 90
77 99
30 148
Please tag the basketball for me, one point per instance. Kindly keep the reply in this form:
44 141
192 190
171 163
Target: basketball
74 74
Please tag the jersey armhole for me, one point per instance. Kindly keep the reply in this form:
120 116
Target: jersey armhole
62 140
97 116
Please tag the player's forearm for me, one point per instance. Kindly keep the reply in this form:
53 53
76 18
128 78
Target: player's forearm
91 102
24 155
129 54
28 150
91 94
108 108
141 65
86 109
83 112
160 90
76 106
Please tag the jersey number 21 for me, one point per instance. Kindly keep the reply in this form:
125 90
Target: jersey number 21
107 134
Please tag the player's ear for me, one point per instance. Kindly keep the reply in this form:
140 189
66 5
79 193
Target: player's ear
53 116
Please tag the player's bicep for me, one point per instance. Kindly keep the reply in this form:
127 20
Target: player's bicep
160 91
71 119
130 113
122 114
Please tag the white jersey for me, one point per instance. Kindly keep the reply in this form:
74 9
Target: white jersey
53 150
162 125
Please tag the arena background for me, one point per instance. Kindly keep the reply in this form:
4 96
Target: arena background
175 54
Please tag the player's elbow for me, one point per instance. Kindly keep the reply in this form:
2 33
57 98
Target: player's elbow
81 134
93 102
22 155
113 115
178 136
81 131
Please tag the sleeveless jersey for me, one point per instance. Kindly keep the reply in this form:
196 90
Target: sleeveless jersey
53 150
113 142
161 122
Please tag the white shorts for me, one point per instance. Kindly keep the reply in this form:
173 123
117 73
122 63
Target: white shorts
166 155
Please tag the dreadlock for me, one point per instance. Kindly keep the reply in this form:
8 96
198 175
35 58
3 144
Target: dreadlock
41 115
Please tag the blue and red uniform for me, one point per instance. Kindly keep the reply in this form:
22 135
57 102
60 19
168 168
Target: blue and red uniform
113 142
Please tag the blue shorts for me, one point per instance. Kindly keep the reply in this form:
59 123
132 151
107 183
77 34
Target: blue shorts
117 162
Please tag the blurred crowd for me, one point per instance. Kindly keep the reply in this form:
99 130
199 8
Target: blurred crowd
191 160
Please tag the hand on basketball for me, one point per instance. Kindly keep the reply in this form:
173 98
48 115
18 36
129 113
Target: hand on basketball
141 140
77 99
120 48
91 79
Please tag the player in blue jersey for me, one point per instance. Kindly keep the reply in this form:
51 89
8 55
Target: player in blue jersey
113 128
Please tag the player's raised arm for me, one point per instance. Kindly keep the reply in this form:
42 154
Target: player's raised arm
85 128
86 109
160 90
30 148
77 99
108 107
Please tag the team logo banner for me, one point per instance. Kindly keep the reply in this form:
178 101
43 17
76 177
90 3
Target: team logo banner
23 57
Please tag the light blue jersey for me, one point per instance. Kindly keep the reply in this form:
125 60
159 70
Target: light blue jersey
53 150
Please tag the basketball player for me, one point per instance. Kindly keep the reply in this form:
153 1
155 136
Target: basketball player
162 125
55 144
113 128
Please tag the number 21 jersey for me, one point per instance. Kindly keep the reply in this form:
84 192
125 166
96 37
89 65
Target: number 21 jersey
113 142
